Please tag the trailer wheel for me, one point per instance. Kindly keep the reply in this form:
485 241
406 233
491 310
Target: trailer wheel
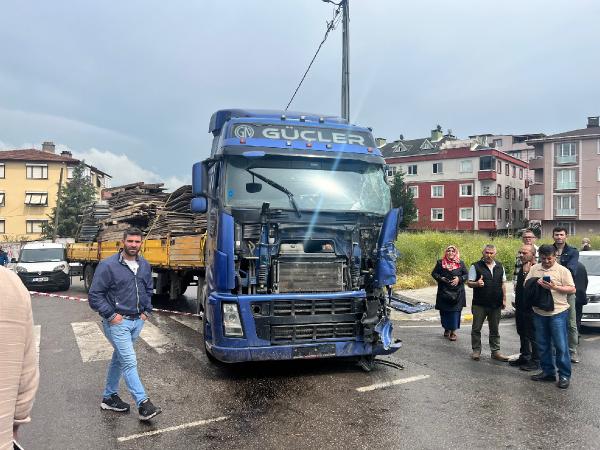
88 276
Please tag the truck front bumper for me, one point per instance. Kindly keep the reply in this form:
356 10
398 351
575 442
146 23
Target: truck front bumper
305 351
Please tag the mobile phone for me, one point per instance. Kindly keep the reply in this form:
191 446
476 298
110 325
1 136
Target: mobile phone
546 278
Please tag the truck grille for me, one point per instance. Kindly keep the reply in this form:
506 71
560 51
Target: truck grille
310 276
311 307
284 334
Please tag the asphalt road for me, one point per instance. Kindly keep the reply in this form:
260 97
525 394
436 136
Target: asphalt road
440 399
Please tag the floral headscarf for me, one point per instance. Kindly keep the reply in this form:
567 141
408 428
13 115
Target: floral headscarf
454 263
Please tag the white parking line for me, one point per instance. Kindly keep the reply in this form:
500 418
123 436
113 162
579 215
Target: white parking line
92 344
175 428
592 339
191 322
372 387
155 338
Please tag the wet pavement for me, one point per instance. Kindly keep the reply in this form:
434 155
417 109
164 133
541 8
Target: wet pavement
439 399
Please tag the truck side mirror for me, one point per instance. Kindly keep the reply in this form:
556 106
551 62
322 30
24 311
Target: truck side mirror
199 205
199 178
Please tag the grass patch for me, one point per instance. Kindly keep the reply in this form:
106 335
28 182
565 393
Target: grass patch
420 251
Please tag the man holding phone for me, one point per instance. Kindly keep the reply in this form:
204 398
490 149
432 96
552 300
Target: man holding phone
551 326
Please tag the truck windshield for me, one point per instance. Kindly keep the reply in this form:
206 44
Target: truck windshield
33 255
326 185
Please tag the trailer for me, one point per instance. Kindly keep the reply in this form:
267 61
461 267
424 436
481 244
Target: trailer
177 262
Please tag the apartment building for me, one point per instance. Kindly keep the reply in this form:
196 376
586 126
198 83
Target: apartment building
29 181
565 189
460 184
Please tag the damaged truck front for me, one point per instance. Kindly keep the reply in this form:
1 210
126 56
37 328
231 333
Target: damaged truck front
300 254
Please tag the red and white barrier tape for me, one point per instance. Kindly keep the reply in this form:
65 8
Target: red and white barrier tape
80 299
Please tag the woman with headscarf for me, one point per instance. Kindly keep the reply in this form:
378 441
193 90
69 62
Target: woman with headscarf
450 273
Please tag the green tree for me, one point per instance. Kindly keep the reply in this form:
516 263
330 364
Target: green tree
402 197
73 196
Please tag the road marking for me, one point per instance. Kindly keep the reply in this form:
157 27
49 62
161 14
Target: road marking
372 387
591 339
155 338
175 428
92 344
190 322
37 335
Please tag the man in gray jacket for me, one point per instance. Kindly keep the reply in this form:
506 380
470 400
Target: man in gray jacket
121 293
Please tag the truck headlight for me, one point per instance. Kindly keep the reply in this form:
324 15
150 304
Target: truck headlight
232 324
20 269
59 268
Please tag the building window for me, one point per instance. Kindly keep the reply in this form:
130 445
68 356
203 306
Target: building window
598 201
520 194
598 174
412 169
499 167
437 191
486 163
521 217
499 215
437 168
507 215
2 226
520 173
566 179
569 226
507 169
1 170
437 214
466 166
35 226
2 198
466 214
36 198
466 190
70 171
514 193
486 212
513 217
414 190
497 143
517 154
507 192
499 190
514 171
537 201
416 216
565 205
566 153
37 171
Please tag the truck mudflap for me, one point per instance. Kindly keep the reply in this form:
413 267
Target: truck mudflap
307 351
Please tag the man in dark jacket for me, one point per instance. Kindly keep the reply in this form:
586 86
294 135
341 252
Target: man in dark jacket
528 359
121 292
486 278
3 257
568 257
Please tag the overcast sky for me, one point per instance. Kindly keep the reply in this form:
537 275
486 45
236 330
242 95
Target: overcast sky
130 85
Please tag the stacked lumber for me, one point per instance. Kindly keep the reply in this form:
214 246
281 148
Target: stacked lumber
148 207
90 221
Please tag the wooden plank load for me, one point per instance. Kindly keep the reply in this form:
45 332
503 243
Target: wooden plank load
148 207
90 221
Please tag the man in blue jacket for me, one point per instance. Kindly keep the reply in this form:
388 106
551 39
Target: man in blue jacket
121 292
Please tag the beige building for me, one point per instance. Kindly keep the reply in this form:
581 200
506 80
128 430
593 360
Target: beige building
566 180
29 185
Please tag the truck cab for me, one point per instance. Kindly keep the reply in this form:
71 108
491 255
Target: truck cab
43 265
299 255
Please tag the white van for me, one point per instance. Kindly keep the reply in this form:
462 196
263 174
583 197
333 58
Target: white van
44 265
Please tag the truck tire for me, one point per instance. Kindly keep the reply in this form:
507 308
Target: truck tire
88 276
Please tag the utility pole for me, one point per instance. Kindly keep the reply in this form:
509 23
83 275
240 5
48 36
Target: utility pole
345 61
57 206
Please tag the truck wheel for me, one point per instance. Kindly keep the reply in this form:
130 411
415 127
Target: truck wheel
88 276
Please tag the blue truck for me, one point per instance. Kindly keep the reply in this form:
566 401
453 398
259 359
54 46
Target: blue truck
299 254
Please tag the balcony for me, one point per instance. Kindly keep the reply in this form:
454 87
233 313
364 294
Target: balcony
566 186
486 175
564 160
487 199
565 212
536 163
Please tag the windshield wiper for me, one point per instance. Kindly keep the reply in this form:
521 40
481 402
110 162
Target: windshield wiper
278 187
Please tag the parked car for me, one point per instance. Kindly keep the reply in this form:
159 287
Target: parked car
44 265
591 311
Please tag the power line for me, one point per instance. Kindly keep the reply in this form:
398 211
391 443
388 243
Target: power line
330 26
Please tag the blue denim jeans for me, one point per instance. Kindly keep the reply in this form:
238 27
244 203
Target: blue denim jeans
551 331
122 336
